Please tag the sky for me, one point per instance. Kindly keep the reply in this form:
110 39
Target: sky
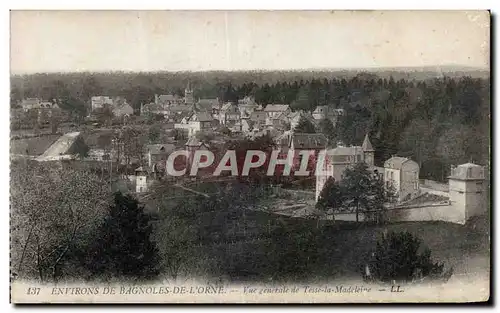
72 41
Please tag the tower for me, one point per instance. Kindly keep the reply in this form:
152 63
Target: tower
467 190
188 94
368 151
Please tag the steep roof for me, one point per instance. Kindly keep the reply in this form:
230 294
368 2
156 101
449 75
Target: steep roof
467 171
201 117
309 141
161 148
228 105
164 98
396 162
212 102
276 107
367 145
341 150
258 116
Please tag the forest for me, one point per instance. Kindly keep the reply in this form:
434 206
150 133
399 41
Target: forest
437 121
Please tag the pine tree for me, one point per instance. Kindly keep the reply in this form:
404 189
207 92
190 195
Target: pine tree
331 196
123 246
327 128
305 126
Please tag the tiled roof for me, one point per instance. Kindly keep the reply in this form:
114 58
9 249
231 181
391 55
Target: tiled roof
309 141
353 150
396 162
276 107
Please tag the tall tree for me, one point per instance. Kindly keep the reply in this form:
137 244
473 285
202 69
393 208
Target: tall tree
363 190
123 247
54 211
305 126
331 197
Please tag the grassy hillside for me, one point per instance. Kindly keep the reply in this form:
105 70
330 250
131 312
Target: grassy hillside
243 250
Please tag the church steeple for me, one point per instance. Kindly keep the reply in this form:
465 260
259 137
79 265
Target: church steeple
188 94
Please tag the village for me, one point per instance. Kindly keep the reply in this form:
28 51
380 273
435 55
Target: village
133 148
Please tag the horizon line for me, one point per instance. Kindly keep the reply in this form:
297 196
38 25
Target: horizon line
453 68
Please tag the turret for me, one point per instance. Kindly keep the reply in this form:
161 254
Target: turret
368 151
468 190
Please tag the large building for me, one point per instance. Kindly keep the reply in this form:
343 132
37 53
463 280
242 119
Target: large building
338 159
402 174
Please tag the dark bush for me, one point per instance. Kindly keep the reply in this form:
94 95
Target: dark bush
292 251
397 258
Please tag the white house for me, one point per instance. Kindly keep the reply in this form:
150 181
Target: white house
275 110
402 174
338 159
99 102
158 152
195 122
229 114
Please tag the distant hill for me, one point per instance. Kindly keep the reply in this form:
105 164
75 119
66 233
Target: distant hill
272 76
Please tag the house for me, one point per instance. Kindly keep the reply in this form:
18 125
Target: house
229 114
247 105
158 152
145 177
327 112
402 174
192 145
195 122
166 101
293 143
338 159
258 118
153 108
295 117
209 105
121 108
274 110
99 102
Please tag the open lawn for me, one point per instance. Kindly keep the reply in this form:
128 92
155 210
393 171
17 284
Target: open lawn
32 146
342 247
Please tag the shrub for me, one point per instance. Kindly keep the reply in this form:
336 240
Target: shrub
397 258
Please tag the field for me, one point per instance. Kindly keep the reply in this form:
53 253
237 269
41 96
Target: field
343 248
34 146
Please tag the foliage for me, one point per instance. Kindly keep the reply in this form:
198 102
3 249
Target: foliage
80 148
326 128
305 126
54 211
154 133
175 234
292 252
364 191
331 197
123 247
396 257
